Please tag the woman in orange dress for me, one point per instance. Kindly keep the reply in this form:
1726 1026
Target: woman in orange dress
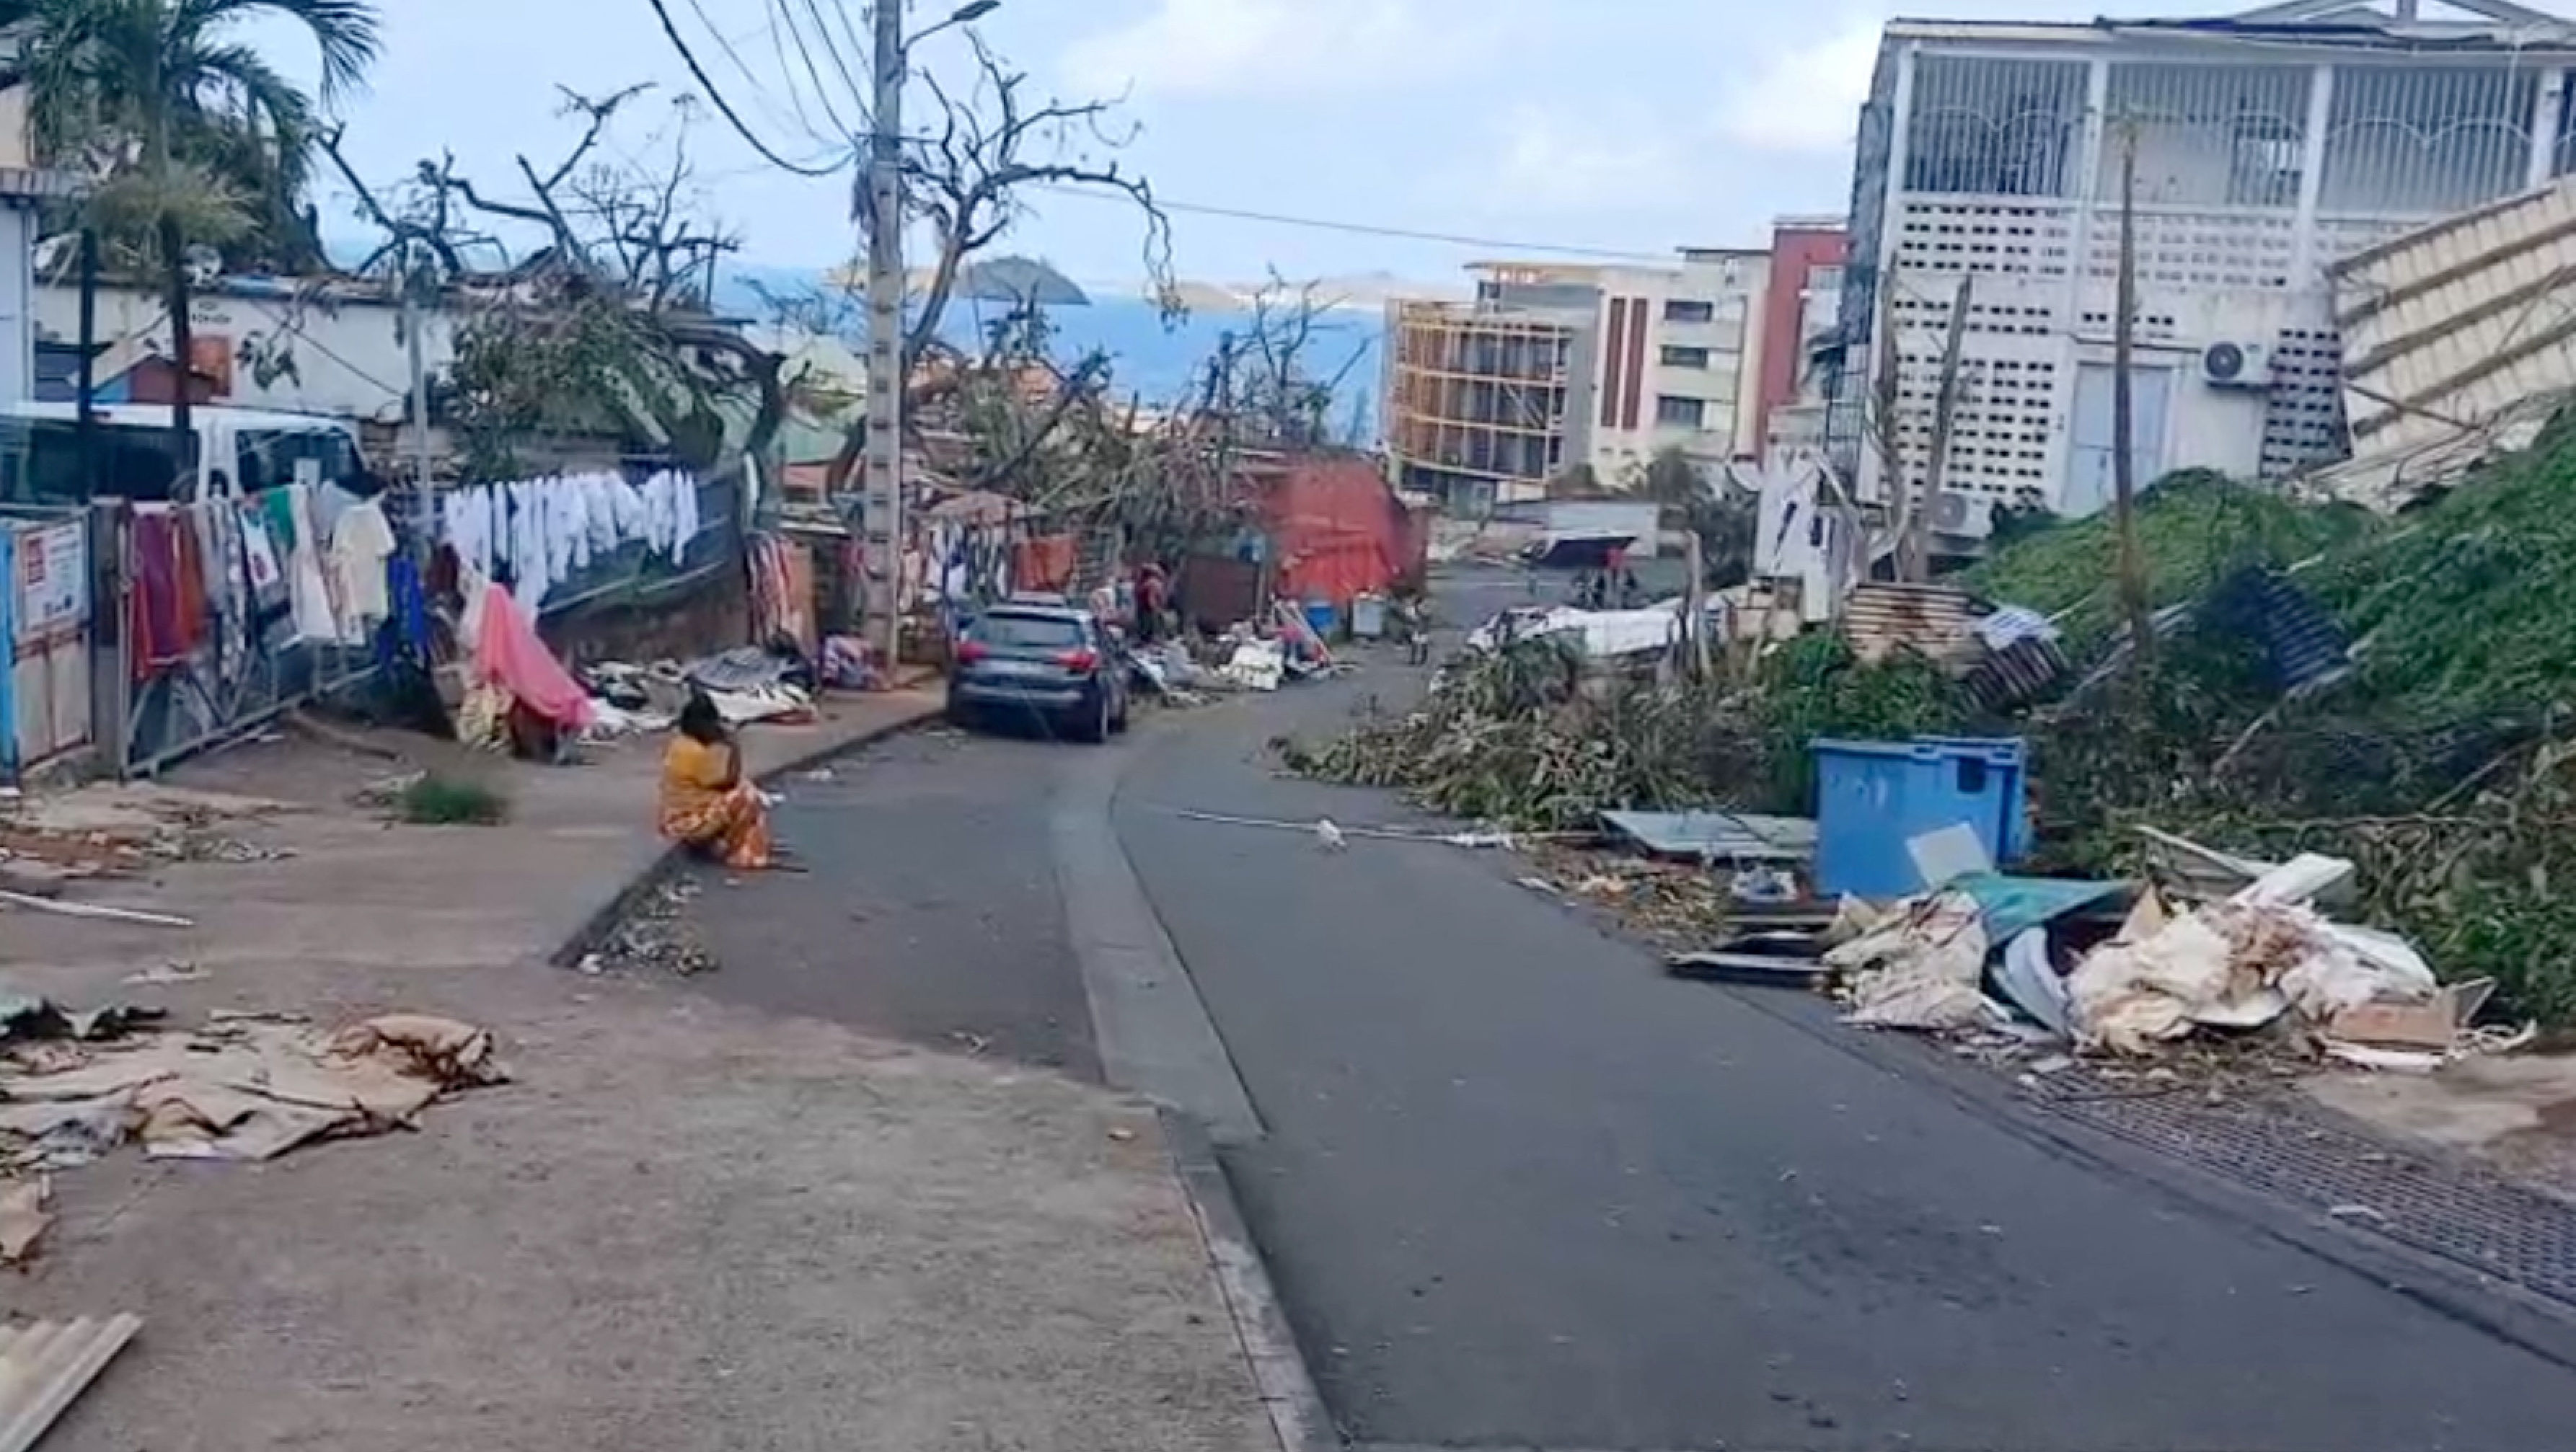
706 804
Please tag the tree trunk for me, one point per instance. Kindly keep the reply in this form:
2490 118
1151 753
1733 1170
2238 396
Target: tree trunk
1915 564
2132 565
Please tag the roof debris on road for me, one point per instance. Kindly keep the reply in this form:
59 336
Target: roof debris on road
243 1087
46 1365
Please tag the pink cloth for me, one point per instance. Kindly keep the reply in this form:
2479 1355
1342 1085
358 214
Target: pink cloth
508 654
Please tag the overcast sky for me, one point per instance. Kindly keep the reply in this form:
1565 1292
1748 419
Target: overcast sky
1631 125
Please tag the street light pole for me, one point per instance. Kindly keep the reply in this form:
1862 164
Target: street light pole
883 496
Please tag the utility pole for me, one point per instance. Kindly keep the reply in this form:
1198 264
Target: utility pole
2132 567
883 497
85 425
1915 564
423 507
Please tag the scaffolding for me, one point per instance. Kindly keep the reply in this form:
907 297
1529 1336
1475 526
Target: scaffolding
1477 401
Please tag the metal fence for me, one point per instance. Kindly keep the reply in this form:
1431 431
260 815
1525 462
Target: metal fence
233 680
232 677
46 690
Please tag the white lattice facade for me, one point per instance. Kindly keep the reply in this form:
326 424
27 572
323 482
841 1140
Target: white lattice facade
2264 149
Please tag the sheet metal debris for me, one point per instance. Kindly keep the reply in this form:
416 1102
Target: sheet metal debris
1717 836
2440 342
46 1365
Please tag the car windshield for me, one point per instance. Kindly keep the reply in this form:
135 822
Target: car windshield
1028 632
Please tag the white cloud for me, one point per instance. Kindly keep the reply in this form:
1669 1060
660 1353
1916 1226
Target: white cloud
1806 98
1598 159
1254 47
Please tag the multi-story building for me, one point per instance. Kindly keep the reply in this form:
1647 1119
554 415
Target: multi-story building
1801 304
2253 151
1556 365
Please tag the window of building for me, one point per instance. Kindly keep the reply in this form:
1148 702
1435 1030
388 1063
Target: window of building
1685 357
1684 413
1689 310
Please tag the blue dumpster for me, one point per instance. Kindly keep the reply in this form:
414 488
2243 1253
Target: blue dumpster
1872 797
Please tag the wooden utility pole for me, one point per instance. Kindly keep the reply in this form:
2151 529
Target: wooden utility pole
1914 563
2124 487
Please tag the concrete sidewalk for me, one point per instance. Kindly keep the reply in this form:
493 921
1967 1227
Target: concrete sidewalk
684 1226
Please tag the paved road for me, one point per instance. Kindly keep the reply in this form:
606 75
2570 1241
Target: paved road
1519 1189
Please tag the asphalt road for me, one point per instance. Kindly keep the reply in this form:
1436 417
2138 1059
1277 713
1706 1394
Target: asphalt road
1519 1189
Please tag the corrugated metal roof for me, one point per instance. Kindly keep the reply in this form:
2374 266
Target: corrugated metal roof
45 1365
1882 616
2450 328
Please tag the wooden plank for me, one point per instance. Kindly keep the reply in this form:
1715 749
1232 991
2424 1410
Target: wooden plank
44 1367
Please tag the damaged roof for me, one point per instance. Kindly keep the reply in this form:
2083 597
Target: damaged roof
2453 335
2461 25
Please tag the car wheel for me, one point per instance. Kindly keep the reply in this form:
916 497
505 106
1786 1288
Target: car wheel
1094 727
958 714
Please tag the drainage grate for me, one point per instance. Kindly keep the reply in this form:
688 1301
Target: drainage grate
2461 1214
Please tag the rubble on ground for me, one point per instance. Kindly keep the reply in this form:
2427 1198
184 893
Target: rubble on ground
50 838
656 937
76 1085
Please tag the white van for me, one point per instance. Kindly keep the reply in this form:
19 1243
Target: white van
239 451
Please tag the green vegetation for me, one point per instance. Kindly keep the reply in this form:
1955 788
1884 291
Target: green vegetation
2194 528
445 801
2444 763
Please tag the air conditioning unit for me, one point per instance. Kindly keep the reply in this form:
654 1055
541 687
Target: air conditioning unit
1963 515
2236 365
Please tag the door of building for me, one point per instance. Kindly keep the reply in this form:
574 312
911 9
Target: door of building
2088 456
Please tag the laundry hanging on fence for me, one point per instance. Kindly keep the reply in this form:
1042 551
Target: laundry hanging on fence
534 534
165 621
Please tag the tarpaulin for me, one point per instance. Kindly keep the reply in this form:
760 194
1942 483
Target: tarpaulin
1340 530
507 653
1044 563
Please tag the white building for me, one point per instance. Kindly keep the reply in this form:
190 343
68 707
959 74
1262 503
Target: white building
2266 145
331 347
1556 365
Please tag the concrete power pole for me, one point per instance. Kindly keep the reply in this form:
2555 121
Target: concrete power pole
884 458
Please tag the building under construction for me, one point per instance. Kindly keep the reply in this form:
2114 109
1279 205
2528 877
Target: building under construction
1477 412
1555 366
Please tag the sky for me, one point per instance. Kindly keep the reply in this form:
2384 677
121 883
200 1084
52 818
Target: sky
1627 126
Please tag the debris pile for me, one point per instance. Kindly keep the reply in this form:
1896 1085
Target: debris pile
77 1085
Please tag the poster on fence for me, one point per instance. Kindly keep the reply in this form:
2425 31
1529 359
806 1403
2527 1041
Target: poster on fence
53 578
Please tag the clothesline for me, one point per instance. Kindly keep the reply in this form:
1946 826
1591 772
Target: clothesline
538 533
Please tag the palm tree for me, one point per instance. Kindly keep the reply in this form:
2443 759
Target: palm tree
188 132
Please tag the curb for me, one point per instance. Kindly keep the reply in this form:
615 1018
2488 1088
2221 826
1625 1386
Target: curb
602 920
1279 1375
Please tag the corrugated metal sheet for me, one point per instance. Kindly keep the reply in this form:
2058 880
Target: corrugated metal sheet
1882 617
44 1366
2019 672
2446 331
1718 836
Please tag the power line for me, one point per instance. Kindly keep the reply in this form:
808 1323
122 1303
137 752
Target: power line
707 84
1364 229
